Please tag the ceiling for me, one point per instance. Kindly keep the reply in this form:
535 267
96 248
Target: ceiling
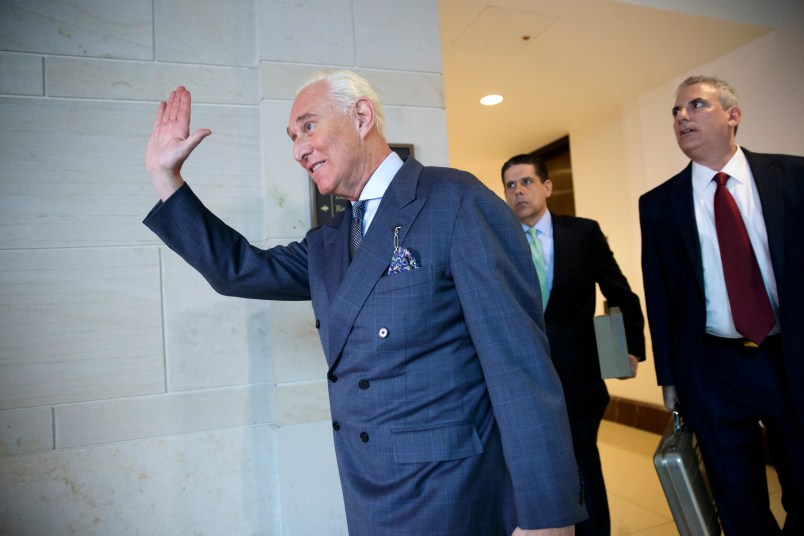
561 62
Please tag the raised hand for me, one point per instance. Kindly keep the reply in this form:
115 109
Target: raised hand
171 142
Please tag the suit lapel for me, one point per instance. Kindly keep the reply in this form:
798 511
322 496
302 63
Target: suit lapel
770 186
399 207
684 211
336 251
562 248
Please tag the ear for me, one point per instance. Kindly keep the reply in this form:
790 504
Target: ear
364 115
735 114
548 188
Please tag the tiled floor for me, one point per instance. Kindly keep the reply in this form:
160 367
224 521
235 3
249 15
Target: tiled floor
636 499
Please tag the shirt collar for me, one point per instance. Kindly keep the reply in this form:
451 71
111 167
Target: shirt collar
736 167
543 226
382 177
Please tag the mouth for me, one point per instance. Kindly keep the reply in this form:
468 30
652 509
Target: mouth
312 169
683 131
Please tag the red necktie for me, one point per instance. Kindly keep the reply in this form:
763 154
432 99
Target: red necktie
750 306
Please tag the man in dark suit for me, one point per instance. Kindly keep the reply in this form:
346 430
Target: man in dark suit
575 256
723 261
448 417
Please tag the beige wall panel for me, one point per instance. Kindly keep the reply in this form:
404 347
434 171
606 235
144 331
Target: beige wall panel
212 340
213 483
95 28
21 74
398 35
110 421
121 80
295 345
320 31
302 402
217 32
25 431
79 324
73 172
309 476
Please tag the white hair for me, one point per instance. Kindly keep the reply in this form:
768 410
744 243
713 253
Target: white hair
345 88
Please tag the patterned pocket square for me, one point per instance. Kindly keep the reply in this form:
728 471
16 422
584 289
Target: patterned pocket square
402 260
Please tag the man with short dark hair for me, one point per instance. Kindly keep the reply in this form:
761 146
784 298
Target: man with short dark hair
571 257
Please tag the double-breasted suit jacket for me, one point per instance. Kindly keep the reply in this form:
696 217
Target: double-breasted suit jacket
673 275
448 417
581 259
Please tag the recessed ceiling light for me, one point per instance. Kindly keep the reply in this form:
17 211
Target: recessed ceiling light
491 100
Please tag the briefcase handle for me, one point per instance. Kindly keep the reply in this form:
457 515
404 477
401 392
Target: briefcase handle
678 422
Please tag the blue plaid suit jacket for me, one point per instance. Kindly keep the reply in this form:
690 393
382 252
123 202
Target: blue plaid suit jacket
448 417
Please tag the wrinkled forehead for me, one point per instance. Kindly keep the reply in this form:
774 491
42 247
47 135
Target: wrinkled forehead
312 100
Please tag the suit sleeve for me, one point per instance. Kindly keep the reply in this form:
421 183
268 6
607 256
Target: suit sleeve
495 280
657 298
224 257
618 293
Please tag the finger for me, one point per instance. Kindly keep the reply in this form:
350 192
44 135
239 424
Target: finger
195 138
169 107
185 105
175 103
160 111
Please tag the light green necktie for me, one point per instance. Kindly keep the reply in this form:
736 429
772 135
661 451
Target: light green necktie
538 261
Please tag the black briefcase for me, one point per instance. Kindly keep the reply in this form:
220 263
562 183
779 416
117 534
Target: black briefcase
681 472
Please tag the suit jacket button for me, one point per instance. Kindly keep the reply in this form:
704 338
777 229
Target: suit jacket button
383 333
336 425
317 323
364 437
332 377
363 384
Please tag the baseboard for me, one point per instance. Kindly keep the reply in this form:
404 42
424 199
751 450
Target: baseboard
641 415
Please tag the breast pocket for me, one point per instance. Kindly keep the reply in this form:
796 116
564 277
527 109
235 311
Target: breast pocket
411 278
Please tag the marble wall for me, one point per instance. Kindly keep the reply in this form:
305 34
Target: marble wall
133 399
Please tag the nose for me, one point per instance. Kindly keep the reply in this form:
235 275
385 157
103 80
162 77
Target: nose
301 150
681 114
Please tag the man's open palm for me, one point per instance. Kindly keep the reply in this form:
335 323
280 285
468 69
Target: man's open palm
171 142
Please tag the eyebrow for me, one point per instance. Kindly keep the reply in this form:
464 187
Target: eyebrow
301 119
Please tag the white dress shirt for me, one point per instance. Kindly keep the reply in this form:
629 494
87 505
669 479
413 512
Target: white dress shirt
376 186
742 187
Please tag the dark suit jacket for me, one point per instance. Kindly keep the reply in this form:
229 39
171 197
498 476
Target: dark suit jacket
448 416
673 274
582 258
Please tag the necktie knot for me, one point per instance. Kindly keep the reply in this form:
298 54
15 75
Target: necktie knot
721 178
358 209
